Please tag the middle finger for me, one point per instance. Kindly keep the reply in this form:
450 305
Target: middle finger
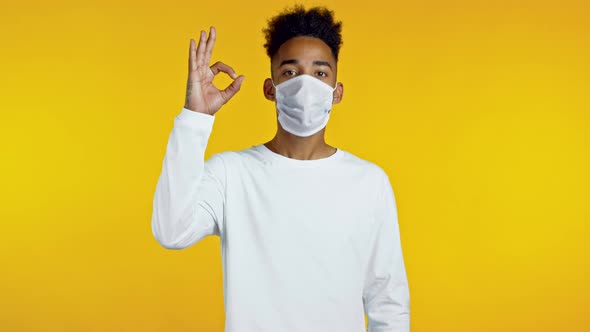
209 47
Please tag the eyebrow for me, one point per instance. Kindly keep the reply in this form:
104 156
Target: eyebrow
295 61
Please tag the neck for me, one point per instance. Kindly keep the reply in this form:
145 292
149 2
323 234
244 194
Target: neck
302 148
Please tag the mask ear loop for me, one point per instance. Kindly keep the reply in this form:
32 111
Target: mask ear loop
273 84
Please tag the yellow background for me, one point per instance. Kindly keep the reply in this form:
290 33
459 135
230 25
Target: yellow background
477 110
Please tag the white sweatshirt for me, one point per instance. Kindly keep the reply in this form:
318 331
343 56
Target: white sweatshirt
307 245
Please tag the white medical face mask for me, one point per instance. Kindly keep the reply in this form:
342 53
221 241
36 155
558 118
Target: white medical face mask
303 104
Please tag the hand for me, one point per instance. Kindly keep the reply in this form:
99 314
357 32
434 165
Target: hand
201 95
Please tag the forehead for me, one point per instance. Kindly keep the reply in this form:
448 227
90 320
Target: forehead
304 48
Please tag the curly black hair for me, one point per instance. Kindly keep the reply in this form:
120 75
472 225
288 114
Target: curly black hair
316 22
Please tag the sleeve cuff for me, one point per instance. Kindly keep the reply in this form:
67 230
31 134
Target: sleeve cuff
194 118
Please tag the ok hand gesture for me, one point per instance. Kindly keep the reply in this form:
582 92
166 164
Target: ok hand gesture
201 95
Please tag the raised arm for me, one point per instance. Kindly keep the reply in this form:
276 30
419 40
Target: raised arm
189 198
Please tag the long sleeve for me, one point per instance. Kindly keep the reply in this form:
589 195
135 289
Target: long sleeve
189 198
386 294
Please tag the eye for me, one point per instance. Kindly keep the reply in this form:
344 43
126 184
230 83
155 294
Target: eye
289 72
322 74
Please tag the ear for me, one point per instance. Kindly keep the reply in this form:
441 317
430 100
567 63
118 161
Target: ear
338 93
269 90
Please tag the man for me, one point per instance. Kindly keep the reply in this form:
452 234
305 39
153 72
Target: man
309 232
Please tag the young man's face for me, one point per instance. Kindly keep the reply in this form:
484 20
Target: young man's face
303 55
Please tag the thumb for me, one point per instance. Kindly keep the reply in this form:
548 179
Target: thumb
232 89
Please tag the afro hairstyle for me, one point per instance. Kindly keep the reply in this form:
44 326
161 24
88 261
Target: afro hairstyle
316 22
